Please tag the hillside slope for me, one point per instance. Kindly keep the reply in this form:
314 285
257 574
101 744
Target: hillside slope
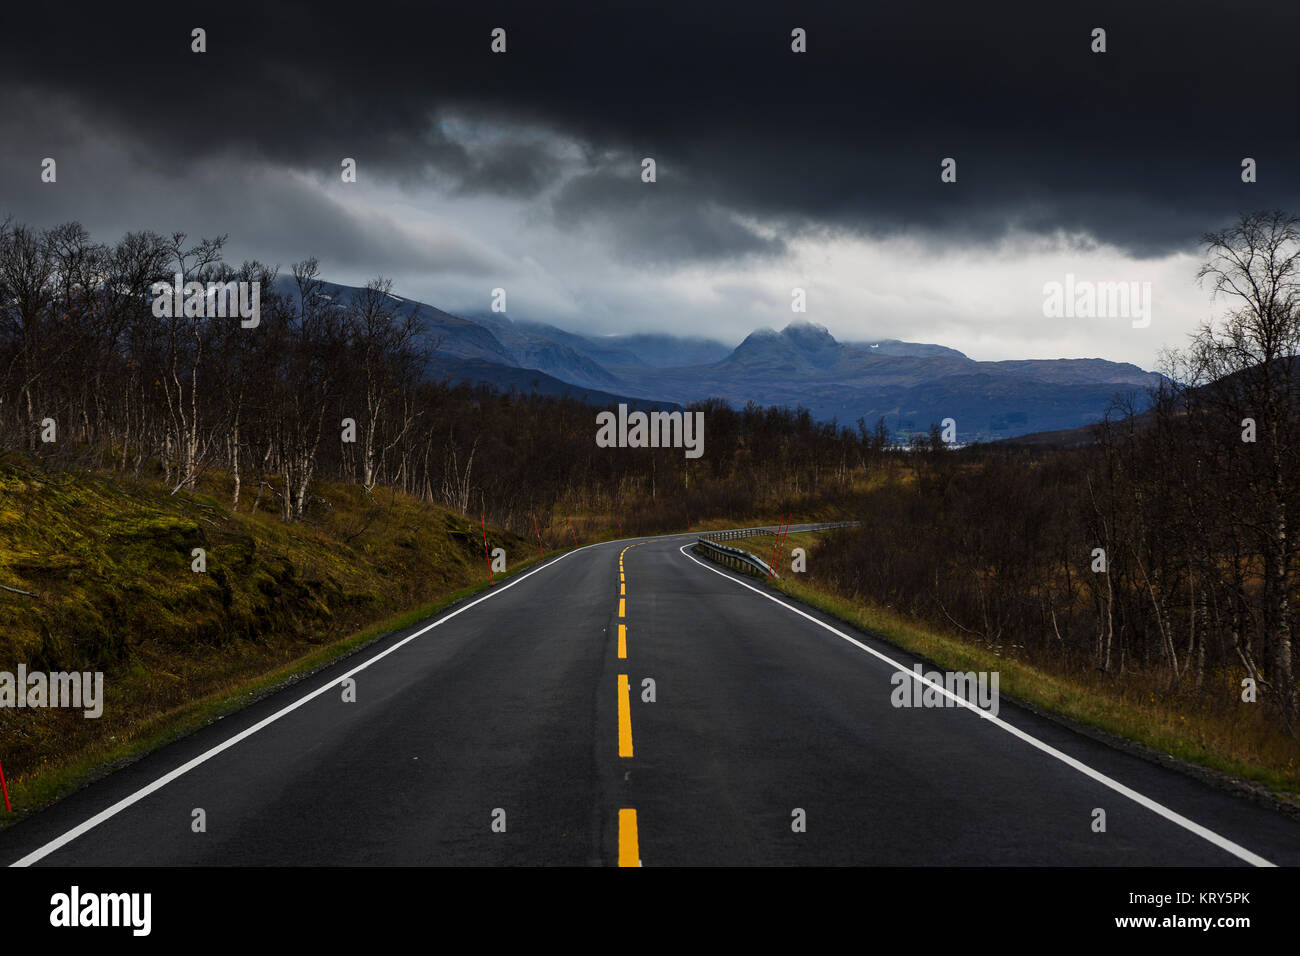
106 562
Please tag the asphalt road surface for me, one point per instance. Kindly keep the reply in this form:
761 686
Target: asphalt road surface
514 729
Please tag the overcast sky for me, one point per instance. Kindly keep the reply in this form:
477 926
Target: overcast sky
775 170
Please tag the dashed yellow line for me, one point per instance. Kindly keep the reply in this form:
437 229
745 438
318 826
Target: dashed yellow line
629 851
624 718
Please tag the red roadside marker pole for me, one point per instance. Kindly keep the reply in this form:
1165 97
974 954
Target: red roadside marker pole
771 560
780 546
483 524
5 787
539 538
574 533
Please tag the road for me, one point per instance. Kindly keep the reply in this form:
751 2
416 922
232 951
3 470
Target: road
513 729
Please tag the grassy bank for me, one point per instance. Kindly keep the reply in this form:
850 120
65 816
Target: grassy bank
105 564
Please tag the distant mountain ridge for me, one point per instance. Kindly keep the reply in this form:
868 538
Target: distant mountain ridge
910 384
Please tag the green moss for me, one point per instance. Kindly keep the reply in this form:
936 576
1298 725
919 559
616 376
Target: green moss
109 562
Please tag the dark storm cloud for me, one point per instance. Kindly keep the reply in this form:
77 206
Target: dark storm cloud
113 186
1140 146
514 169
667 222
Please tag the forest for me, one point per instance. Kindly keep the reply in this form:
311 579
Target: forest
1162 545
1158 542
191 398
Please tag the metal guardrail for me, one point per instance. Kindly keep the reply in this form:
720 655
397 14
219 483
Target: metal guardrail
732 557
735 533
707 547
751 532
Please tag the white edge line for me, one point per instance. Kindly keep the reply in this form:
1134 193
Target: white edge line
1203 832
61 841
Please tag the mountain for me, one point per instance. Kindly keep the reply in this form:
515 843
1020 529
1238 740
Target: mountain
665 351
456 337
897 347
494 351
533 348
455 371
912 385
797 349
639 350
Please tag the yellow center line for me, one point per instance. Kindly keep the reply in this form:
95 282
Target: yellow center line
624 718
629 853
629 850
